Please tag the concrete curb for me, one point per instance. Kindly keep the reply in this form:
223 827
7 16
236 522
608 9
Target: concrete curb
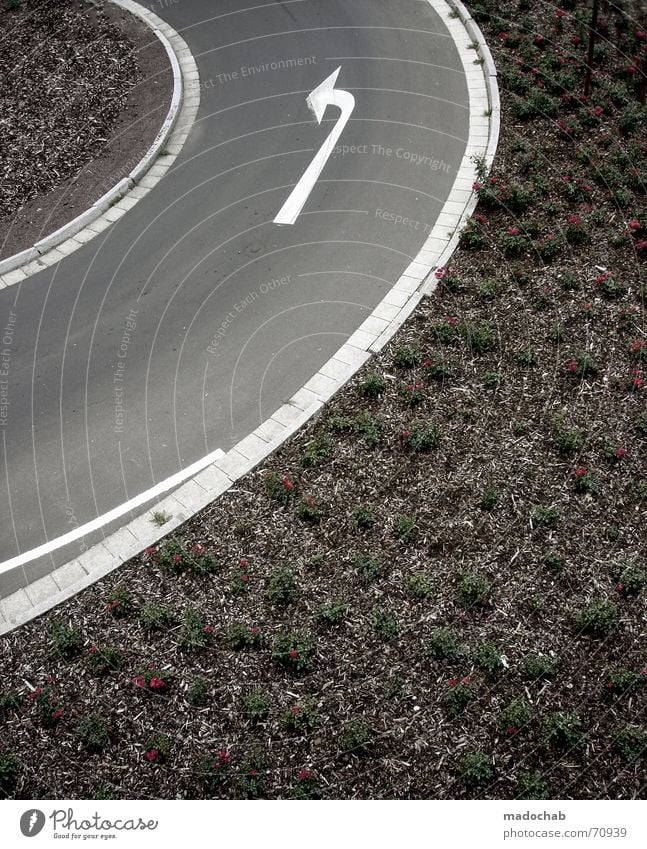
117 200
417 281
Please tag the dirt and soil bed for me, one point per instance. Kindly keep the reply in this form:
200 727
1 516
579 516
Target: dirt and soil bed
437 589
85 88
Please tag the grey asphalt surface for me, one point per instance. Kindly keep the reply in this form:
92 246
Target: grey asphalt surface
187 323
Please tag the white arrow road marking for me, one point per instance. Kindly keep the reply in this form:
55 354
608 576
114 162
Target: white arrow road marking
323 96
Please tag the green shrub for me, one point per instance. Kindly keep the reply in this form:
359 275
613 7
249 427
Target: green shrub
355 738
93 733
198 693
562 731
531 785
548 517
156 617
631 579
316 451
301 717
282 586
279 488
565 439
331 613
407 356
9 700
538 666
66 639
256 706
488 657
369 567
384 623
419 585
176 557
252 780
9 771
404 526
443 644
104 659
422 436
480 337
474 589
120 602
157 748
195 634
373 384
553 560
476 769
513 718
459 695
294 650
631 744
309 510
243 637
489 497
364 518
624 680
492 379
598 618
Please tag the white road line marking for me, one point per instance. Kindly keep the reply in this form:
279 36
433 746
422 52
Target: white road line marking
116 513
318 101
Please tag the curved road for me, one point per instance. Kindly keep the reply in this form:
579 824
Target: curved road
183 326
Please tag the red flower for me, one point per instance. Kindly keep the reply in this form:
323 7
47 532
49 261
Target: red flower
139 681
632 69
476 185
156 683
640 34
255 631
619 587
465 680
253 773
634 223
296 709
576 40
620 453
406 434
288 484
293 653
150 549
151 754
539 39
209 629
199 549
513 231
572 366
58 713
560 13
504 36
512 729
598 111
223 754
581 470
242 562
453 682
641 245
35 693
574 219
440 272
178 558
534 71
93 649
244 578
305 774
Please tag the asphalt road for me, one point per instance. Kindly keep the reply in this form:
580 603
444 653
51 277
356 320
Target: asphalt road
183 326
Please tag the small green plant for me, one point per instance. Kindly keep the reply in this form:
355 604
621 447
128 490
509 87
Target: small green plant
531 785
279 488
282 586
157 748
195 634
331 613
256 706
373 385
443 644
527 358
474 589
309 510
384 623
243 637
515 716
198 693
294 650
9 772
476 769
404 527
364 518
624 680
492 379
489 497
422 435
547 517
103 659
407 356
213 770
458 696
584 481
566 440
553 561
488 657
631 580
156 617
355 738
93 733
45 700
66 639
9 701
538 666
120 602
306 787
562 731
631 744
598 618
252 781
479 337
368 567
175 556
316 451
582 365
159 518
419 585
302 717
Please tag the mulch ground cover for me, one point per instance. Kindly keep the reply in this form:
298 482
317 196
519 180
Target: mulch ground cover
437 588
77 113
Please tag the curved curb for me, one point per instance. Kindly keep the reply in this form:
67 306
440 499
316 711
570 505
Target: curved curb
122 196
417 281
